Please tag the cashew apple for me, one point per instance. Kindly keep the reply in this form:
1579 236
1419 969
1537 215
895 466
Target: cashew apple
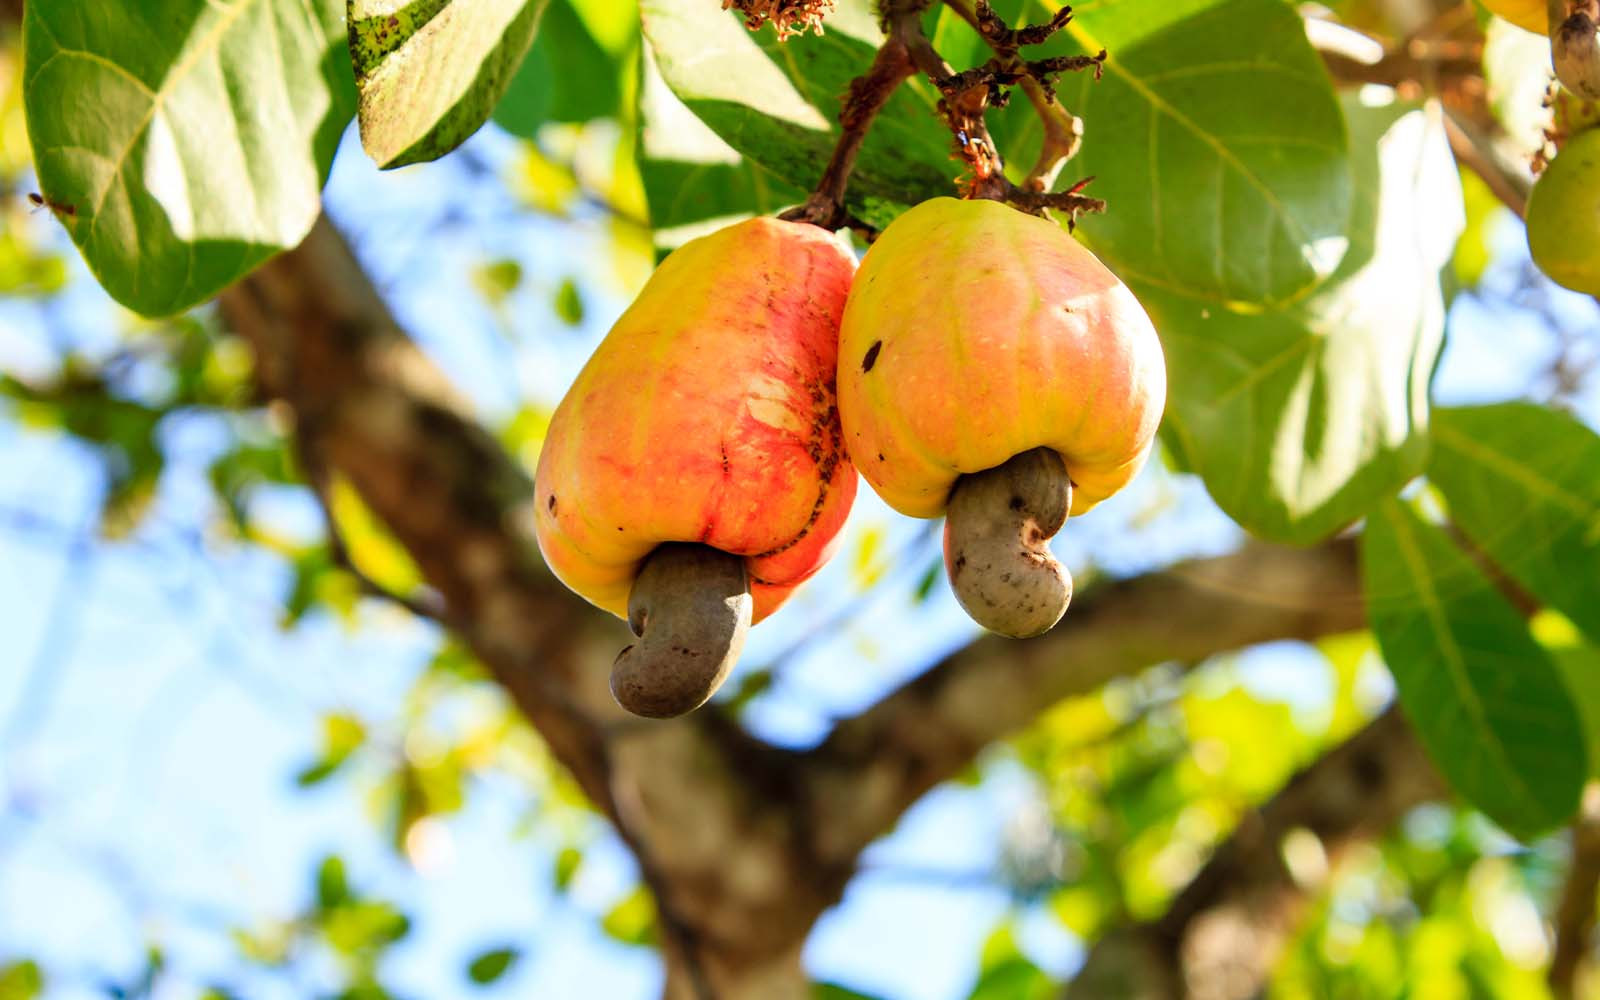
1564 215
695 472
992 368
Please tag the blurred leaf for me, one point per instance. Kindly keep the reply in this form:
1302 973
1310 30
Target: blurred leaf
21 980
429 72
927 581
1014 979
751 685
543 183
567 76
342 735
866 565
179 188
568 860
497 279
569 303
834 991
359 928
1485 699
491 965
1007 974
778 103
370 545
1300 419
1523 482
333 888
1472 253
26 271
633 919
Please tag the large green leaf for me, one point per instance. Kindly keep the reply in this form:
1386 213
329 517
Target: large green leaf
777 103
431 71
1214 136
1486 699
1301 418
1523 482
190 138
568 76
693 181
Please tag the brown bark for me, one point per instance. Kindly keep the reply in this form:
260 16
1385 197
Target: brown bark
1574 918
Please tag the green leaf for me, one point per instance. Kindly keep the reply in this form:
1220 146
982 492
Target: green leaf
568 860
834 991
333 886
1014 979
569 302
566 77
777 103
1299 419
1485 698
191 138
633 919
429 72
1216 140
21 980
492 964
1523 481
1579 663
693 180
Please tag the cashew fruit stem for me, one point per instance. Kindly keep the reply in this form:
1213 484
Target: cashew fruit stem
997 531
690 606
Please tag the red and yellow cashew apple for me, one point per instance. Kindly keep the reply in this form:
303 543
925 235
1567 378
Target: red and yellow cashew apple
991 368
695 473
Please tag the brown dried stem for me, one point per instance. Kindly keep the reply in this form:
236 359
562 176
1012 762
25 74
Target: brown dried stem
867 95
1063 131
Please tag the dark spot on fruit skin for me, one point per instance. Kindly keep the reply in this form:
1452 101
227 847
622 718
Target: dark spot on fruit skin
552 505
880 457
1017 503
872 356
960 564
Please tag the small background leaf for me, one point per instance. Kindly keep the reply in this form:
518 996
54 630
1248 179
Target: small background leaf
492 965
1486 699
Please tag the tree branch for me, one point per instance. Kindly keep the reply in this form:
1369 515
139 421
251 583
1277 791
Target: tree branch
1221 936
875 765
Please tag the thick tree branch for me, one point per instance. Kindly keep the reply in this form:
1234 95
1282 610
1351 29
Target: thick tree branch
1223 933
878 763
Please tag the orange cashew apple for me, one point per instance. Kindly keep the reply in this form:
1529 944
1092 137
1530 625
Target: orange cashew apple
695 473
991 368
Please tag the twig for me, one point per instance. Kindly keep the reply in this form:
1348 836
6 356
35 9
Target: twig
1474 152
1063 131
867 96
1574 918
